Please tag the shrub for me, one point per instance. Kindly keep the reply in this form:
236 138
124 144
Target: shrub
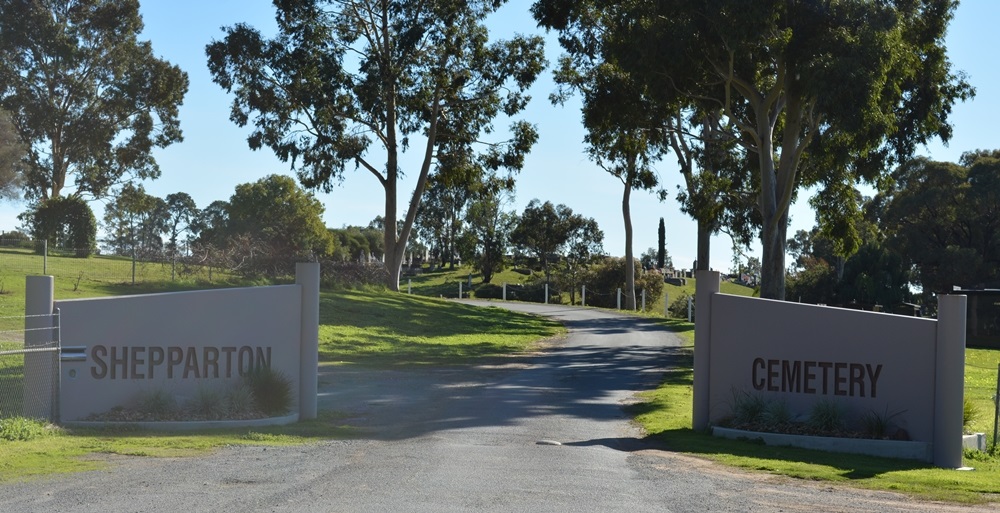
208 403
877 425
826 416
489 291
969 412
272 390
679 307
776 416
156 403
748 409
239 400
604 278
19 429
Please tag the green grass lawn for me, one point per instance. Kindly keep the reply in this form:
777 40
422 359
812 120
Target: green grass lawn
384 329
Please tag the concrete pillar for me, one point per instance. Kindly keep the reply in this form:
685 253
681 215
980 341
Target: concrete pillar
619 299
709 283
307 277
583 296
459 290
505 291
949 381
546 293
643 300
39 331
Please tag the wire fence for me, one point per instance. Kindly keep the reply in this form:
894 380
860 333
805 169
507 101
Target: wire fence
29 349
23 258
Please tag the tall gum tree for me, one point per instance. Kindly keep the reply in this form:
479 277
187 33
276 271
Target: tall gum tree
87 97
353 81
623 135
822 93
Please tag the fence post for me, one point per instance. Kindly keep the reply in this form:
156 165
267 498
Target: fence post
689 308
643 300
38 333
307 277
459 290
409 286
996 409
505 291
546 293
583 297
666 304
619 298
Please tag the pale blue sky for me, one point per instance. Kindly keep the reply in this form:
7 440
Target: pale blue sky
214 157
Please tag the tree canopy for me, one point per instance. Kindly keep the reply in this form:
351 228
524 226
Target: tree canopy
88 99
817 93
353 82
550 232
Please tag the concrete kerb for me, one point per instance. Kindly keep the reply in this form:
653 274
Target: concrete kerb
190 425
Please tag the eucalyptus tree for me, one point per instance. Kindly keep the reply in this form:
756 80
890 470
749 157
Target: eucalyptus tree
181 212
624 136
549 231
89 99
819 93
356 81
12 151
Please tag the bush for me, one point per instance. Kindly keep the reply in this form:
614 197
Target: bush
208 403
352 275
679 307
826 416
157 403
604 278
272 390
489 291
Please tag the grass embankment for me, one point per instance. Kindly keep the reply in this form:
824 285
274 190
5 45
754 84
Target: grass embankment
383 329
373 328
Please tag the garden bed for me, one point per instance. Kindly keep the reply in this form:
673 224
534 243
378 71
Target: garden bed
921 451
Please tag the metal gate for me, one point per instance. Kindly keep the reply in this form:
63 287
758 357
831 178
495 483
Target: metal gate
29 366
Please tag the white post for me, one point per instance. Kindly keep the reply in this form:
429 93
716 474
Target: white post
619 298
949 381
583 297
307 277
39 332
666 304
643 300
505 291
689 307
546 293
708 284
459 290
409 286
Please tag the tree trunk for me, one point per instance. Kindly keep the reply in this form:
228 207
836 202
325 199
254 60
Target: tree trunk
704 245
629 259
772 268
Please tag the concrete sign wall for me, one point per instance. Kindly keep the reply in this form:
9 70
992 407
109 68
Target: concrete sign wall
863 361
175 342
801 354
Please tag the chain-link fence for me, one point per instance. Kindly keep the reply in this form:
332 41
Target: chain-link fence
29 350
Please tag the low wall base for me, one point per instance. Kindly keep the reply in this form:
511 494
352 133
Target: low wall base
190 425
921 451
